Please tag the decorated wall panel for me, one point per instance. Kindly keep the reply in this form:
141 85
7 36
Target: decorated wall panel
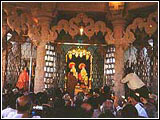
18 57
109 65
143 61
13 64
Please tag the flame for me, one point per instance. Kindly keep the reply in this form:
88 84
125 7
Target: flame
81 30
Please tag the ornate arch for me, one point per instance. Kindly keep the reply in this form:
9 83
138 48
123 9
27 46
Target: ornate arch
149 25
25 23
90 26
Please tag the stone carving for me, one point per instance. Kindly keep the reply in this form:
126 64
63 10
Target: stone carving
5 27
149 25
73 26
62 24
26 24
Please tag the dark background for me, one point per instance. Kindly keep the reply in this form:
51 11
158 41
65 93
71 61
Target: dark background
77 61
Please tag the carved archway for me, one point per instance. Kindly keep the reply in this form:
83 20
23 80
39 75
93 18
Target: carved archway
73 26
27 24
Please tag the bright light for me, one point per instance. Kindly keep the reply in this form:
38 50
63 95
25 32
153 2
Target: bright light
81 31
116 5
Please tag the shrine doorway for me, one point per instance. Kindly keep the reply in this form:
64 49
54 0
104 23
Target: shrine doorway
79 61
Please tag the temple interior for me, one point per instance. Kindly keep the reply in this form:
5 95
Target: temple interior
96 41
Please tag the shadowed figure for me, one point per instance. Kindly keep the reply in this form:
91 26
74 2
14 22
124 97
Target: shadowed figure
71 83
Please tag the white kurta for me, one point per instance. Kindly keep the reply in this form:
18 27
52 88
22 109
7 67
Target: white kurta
133 81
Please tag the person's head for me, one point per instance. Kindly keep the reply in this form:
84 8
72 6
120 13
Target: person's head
96 91
32 97
82 66
91 92
12 101
42 98
59 103
15 90
133 98
129 111
143 93
78 103
106 114
107 92
72 65
58 93
24 68
129 70
67 99
107 105
86 110
24 104
80 96
94 101
106 89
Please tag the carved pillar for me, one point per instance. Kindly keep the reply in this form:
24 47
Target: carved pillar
119 65
118 28
121 39
39 72
6 48
154 84
5 27
45 35
5 30
3 67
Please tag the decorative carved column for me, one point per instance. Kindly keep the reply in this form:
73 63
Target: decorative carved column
119 65
34 22
3 67
39 72
45 36
122 38
5 27
118 28
117 17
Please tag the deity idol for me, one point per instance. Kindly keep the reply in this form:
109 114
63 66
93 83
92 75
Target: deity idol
83 74
73 69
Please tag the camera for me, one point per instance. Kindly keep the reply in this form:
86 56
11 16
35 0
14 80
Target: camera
37 110
41 110
38 107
